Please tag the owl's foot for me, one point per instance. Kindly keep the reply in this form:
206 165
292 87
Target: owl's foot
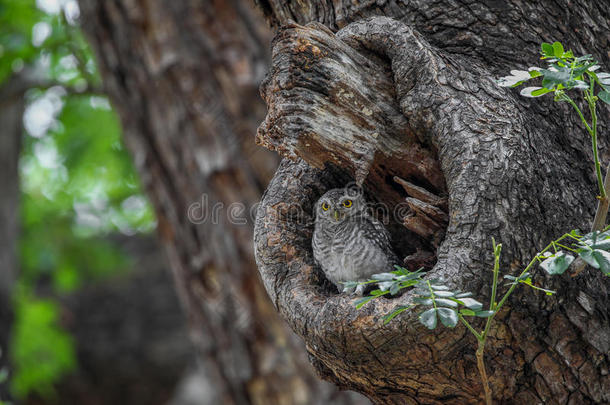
348 290
359 289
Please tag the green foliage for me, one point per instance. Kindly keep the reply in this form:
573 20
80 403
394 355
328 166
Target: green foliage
43 349
557 263
17 19
71 202
438 300
77 181
444 303
594 248
565 72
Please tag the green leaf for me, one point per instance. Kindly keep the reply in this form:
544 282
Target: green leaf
463 295
394 288
605 84
445 302
602 76
601 242
484 314
557 49
385 285
387 318
578 84
604 96
575 233
578 71
556 77
471 303
361 301
439 287
411 276
547 49
529 91
534 72
407 283
428 318
584 57
421 290
467 312
516 78
444 294
423 301
528 281
449 317
600 259
349 285
591 238
558 263
541 92
383 276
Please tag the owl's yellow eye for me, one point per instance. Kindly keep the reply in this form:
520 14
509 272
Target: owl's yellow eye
347 203
325 206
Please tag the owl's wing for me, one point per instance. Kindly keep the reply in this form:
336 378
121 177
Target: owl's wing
384 235
377 234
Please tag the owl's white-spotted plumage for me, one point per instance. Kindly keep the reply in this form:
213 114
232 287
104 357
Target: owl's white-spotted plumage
348 243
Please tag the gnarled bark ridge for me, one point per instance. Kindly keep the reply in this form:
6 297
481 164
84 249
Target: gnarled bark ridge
506 176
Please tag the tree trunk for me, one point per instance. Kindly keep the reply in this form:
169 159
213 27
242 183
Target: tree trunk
512 168
184 79
12 105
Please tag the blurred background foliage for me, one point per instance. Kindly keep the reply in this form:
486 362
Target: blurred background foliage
77 184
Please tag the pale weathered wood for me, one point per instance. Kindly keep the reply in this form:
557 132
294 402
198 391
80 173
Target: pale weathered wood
331 104
422 194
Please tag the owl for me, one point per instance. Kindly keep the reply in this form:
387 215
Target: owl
348 243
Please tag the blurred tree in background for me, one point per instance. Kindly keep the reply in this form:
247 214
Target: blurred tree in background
80 201
77 182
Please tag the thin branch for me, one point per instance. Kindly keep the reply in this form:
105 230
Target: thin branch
602 206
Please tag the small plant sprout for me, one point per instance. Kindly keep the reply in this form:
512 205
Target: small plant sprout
567 74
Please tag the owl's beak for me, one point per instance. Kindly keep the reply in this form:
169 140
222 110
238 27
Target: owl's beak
336 215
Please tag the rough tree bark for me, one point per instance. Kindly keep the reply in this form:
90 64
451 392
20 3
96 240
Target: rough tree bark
184 78
514 169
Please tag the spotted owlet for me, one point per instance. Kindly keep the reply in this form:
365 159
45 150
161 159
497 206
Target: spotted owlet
348 243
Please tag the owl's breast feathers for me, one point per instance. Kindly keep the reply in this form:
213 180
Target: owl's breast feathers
353 249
